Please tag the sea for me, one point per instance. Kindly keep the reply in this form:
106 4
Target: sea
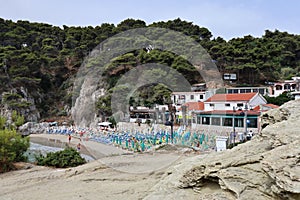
36 149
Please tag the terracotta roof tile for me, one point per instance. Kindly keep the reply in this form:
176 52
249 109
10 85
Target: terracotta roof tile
271 105
194 105
256 108
231 97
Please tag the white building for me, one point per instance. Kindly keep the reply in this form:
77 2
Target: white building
296 95
286 86
179 98
239 90
226 102
227 113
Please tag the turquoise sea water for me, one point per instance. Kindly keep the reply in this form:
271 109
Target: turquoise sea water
36 149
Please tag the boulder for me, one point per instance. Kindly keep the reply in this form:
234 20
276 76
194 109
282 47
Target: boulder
266 167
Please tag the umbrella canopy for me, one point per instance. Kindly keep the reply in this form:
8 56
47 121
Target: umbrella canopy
104 123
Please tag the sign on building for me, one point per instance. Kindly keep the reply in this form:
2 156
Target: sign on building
229 77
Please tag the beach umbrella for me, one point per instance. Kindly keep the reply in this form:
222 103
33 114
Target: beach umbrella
143 146
104 123
126 144
167 138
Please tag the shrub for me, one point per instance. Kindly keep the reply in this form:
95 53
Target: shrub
281 99
12 148
2 122
17 118
68 157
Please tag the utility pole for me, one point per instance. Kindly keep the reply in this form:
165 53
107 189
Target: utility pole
246 113
234 135
172 111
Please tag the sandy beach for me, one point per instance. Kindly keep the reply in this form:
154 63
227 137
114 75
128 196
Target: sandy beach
115 174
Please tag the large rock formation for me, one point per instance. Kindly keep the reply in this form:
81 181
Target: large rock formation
33 128
267 167
20 100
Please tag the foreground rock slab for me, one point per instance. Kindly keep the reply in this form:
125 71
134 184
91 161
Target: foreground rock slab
267 167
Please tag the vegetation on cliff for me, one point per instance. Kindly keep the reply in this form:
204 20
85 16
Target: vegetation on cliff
43 59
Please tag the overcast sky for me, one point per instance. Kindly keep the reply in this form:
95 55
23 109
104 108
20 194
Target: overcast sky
225 18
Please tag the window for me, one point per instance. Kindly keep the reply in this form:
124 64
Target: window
252 123
236 91
248 90
227 121
239 104
262 91
212 105
287 86
206 120
239 122
216 121
227 104
192 96
278 87
242 91
182 97
201 96
198 120
194 120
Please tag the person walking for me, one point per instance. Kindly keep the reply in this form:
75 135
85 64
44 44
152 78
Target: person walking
69 137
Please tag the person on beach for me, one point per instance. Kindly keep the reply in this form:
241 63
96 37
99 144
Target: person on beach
70 137
78 146
81 135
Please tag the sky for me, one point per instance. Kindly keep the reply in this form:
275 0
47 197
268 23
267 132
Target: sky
225 18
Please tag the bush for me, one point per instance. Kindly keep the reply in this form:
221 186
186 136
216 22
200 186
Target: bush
281 99
12 149
68 157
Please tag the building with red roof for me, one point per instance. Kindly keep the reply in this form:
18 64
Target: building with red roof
231 101
236 113
193 106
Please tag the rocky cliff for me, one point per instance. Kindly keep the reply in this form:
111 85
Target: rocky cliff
267 167
20 100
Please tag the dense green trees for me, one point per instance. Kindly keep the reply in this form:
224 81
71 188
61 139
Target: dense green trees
44 58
